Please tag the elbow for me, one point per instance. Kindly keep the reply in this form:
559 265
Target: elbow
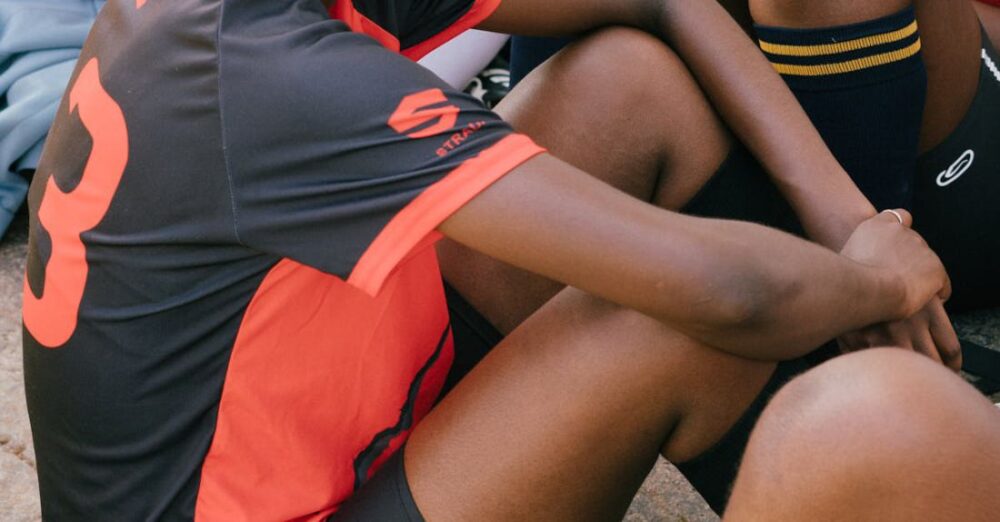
747 301
751 301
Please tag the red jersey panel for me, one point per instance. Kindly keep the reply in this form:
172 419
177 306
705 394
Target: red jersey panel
233 310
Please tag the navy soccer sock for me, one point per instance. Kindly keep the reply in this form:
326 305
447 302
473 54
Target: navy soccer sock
863 86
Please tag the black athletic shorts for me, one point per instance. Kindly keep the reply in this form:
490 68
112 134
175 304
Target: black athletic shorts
386 497
956 205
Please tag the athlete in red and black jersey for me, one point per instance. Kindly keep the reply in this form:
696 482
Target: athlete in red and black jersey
231 293
233 310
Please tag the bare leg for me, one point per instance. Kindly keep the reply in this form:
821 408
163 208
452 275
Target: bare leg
584 392
990 17
619 105
880 435
563 419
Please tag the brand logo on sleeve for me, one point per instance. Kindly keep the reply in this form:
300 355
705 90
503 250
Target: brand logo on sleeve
957 169
424 114
428 113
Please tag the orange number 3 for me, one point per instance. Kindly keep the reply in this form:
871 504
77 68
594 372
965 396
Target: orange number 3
52 318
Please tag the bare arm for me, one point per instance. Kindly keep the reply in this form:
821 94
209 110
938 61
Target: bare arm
742 85
761 110
739 287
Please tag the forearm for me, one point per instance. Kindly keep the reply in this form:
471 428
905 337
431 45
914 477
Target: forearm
793 295
719 282
763 113
742 85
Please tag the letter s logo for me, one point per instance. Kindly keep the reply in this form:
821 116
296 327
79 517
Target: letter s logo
415 111
52 318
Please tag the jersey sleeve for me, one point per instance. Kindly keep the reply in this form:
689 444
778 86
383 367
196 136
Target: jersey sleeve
346 157
412 27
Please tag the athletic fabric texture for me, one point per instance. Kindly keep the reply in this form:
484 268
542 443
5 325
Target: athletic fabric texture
957 191
460 60
474 337
232 306
863 86
385 498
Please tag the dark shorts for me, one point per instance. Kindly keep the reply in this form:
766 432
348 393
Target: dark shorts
956 205
386 497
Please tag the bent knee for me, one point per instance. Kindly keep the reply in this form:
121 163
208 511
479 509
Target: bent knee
871 397
621 66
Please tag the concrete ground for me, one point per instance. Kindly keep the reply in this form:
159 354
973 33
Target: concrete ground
665 496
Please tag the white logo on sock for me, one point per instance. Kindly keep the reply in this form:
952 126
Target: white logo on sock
955 171
990 65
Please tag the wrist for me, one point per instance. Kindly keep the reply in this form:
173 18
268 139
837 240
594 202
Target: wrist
829 205
834 231
890 295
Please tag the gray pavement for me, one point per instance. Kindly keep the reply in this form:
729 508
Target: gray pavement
18 486
665 497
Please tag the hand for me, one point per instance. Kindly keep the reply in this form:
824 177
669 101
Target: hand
929 332
883 243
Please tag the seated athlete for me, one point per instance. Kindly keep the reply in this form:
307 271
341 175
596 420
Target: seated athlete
233 310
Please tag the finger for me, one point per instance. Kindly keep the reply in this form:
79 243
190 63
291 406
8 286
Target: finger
898 215
923 343
945 338
945 292
897 334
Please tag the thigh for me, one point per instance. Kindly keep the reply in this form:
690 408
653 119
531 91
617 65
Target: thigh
950 34
563 419
989 15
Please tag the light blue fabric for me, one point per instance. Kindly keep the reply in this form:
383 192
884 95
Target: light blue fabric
39 43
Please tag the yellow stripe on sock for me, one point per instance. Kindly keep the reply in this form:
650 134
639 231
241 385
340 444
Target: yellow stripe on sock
850 65
840 47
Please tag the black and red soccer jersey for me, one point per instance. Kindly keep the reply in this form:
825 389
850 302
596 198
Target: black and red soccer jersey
232 308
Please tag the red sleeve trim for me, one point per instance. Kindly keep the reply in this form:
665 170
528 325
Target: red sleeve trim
412 225
995 3
480 10
345 11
